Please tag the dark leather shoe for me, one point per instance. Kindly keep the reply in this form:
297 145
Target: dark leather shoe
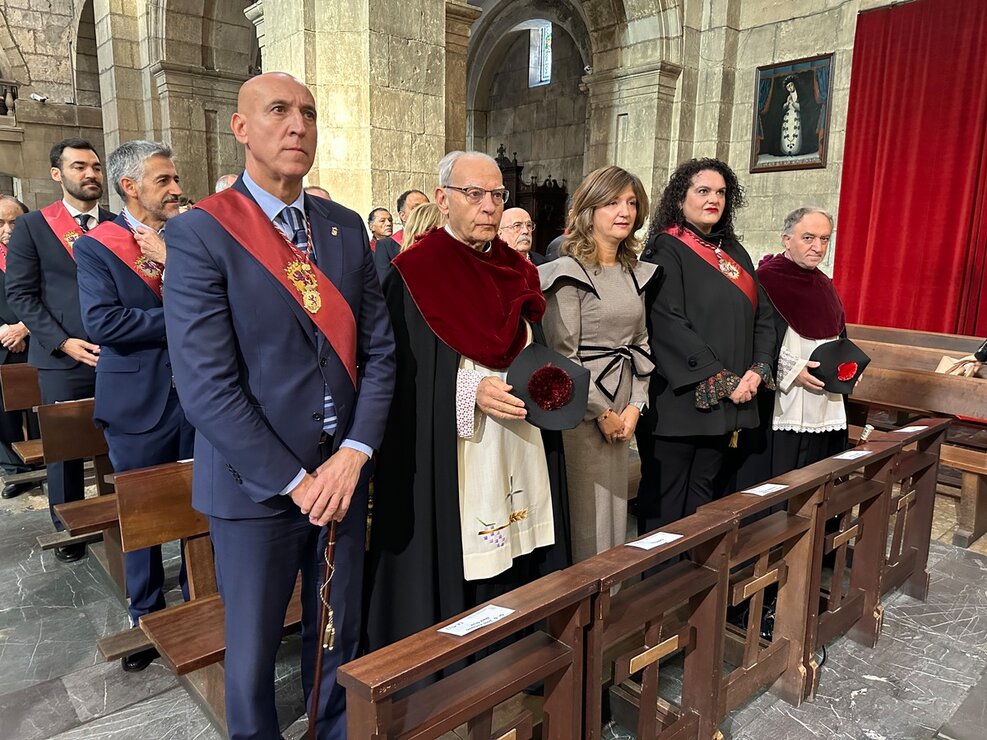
16 489
138 661
70 553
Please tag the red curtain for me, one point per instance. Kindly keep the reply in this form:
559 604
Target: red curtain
912 235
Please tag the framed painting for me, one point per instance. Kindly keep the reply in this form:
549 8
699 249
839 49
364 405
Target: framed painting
791 115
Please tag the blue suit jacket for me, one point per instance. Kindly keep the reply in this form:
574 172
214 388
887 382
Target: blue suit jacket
124 316
250 369
42 290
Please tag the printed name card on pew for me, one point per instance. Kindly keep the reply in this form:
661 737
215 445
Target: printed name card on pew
908 430
853 454
655 540
480 618
765 489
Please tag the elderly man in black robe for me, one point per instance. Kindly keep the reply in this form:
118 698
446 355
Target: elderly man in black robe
469 498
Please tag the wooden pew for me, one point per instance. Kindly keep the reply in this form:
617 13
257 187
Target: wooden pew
69 433
772 549
950 344
901 378
21 392
679 606
857 499
154 506
912 506
385 696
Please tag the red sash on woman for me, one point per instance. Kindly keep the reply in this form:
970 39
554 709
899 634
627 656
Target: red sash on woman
244 220
719 260
66 228
121 242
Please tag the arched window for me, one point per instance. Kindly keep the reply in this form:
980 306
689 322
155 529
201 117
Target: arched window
540 53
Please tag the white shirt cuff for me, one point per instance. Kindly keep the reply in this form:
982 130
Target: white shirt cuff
294 482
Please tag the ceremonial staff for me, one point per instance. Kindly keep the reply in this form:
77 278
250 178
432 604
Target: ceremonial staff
326 628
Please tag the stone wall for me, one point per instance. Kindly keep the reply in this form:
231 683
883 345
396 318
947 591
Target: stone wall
766 32
545 125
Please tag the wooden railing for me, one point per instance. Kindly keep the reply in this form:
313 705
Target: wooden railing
824 545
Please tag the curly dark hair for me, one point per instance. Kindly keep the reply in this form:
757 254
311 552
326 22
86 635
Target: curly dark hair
669 210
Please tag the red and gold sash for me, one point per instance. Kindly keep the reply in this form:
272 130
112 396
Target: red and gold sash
719 260
60 221
252 229
121 242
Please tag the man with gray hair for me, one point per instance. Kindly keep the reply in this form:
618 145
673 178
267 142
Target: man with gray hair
120 267
463 305
801 422
224 182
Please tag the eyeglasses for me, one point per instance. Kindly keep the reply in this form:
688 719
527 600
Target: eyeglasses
474 194
521 225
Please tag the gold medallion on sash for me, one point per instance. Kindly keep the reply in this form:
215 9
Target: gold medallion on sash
301 276
146 266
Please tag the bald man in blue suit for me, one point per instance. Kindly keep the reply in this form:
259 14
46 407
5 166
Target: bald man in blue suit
284 360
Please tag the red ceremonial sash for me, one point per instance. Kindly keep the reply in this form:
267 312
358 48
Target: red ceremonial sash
729 269
398 236
66 228
121 242
244 220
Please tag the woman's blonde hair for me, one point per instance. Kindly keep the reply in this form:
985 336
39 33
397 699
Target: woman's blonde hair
599 188
424 218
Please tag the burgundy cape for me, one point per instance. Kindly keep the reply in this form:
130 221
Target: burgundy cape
473 301
806 299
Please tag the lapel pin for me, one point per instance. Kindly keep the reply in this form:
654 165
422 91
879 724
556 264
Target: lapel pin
335 231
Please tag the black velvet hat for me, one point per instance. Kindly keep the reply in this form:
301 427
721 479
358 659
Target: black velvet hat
841 362
555 390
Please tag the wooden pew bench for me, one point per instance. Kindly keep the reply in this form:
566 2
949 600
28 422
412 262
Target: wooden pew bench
21 392
678 608
901 378
544 643
153 506
772 550
69 433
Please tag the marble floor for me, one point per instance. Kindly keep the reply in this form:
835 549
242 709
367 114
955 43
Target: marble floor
930 659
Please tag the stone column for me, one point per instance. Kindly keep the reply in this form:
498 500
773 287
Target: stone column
378 76
630 120
459 17
121 83
195 107
717 80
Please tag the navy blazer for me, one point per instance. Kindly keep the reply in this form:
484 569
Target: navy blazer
385 250
249 367
125 318
42 290
7 316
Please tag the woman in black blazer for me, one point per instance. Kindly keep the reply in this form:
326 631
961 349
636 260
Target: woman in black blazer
712 338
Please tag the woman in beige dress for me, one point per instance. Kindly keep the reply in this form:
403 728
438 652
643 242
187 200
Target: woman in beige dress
596 317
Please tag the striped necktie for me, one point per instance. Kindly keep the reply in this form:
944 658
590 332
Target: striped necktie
83 219
293 223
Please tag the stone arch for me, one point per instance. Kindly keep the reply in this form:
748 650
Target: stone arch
492 36
12 65
212 34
